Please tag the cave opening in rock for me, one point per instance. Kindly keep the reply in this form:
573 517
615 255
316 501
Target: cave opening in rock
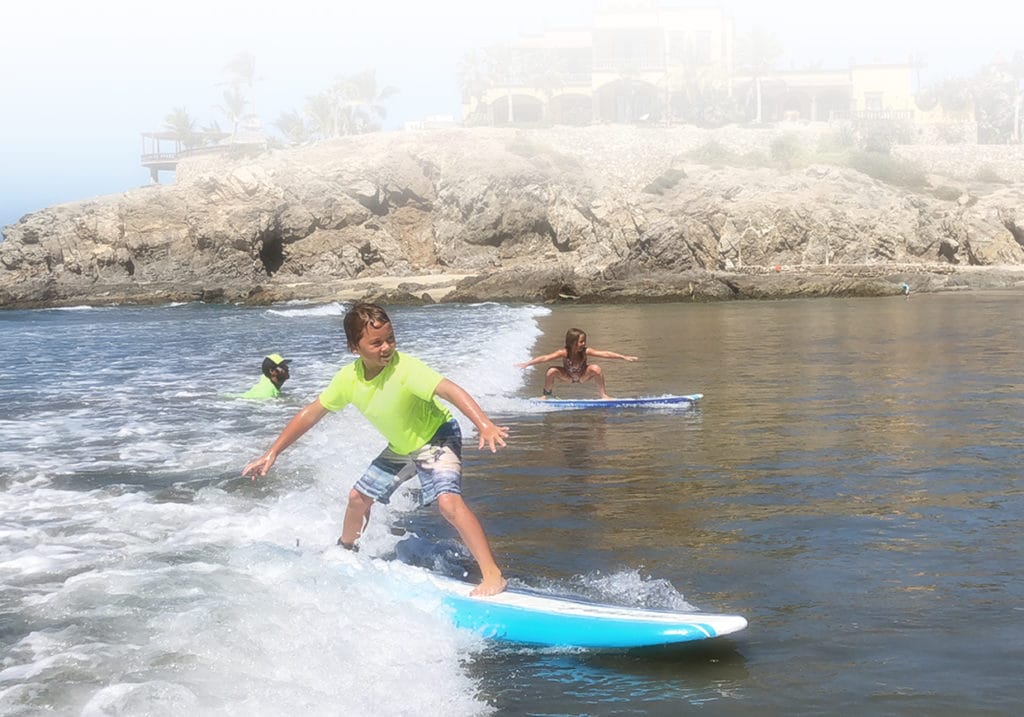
1015 231
271 253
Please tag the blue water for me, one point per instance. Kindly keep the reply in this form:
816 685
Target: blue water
850 482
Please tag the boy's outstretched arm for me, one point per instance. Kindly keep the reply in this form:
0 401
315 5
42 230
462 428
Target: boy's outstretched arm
300 423
490 434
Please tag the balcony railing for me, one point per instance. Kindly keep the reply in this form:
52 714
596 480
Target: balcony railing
159 158
172 157
578 78
873 115
627 65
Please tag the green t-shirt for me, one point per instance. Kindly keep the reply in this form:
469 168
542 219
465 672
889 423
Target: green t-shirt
399 401
264 388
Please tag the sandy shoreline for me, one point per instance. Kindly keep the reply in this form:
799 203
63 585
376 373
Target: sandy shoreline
433 286
756 282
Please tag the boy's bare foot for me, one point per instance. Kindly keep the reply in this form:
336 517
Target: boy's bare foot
490 586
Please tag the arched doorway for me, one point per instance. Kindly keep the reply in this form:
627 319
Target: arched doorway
572 109
525 110
628 101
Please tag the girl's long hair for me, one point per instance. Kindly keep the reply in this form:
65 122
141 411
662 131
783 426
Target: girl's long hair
572 337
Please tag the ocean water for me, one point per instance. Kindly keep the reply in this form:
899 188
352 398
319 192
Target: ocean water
851 483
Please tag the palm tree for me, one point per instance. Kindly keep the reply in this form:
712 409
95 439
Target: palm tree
474 80
210 133
702 98
351 105
359 104
320 110
293 127
953 93
758 53
499 63
242 69
234 106
546 72
1017 71
994 91
179 122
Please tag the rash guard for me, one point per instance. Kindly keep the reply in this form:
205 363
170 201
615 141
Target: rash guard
399 401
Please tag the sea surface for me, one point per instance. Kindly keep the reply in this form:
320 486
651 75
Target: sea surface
851 483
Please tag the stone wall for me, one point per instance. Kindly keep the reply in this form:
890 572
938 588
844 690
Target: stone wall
968 162
637 150
633 148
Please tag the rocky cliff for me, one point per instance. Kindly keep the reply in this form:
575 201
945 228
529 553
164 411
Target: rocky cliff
598 213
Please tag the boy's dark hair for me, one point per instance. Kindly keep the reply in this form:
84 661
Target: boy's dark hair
571 337
359 317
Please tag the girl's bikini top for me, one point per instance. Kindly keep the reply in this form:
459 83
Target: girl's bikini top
575 370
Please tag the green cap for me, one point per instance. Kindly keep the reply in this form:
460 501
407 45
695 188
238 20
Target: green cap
278 359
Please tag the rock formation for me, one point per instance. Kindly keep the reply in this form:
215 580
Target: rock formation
601 213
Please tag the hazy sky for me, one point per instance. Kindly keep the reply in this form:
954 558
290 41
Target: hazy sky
79 80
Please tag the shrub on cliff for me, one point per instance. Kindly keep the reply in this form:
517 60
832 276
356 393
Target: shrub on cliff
886 168
987 173
786 150
665 181
715 154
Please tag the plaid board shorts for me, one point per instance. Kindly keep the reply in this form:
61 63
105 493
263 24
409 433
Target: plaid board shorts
438 464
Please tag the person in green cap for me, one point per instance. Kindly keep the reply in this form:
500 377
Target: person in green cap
275 373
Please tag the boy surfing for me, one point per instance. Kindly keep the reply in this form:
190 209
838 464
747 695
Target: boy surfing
398 394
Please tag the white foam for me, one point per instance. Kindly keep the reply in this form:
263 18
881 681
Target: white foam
200 602
332 309
206 610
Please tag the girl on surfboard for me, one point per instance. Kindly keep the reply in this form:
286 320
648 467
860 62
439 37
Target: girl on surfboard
575 368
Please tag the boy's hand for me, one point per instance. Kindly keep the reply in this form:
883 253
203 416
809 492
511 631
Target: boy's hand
492 435
260 466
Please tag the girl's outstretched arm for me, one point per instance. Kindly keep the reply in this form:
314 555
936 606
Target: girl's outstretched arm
609 354
560 353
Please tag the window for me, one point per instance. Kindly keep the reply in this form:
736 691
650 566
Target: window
702 49
677 47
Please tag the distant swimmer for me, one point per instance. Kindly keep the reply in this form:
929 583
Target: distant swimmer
275 373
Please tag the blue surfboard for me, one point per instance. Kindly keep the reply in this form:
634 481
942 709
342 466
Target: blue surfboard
525 616
639 402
